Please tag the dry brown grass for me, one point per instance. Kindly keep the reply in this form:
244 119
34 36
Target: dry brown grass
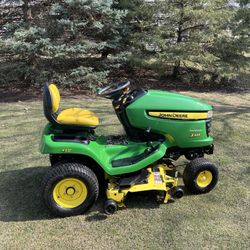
218 220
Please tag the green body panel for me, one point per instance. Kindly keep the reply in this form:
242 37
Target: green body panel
163 100
102 152
178 132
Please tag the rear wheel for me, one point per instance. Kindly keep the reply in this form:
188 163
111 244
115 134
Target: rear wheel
200 176
70 189
54 159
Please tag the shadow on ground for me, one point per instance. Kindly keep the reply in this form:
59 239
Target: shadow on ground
21 198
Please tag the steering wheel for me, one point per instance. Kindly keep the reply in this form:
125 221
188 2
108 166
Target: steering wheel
114 90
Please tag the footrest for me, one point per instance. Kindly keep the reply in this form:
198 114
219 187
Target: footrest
132 160
140 178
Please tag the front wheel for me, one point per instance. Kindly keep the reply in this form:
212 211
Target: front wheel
70 189
200 176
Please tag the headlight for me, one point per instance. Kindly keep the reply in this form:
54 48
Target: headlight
210 114
208 126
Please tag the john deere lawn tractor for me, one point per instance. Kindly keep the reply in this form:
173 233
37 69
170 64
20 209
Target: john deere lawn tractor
159 128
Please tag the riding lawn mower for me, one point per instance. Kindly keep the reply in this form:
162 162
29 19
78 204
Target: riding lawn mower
159 128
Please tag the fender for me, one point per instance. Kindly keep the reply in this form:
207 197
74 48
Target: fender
113 159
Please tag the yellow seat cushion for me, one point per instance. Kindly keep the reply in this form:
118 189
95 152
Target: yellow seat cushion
55 97
77 116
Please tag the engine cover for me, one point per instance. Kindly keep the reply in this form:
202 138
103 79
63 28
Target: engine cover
181 119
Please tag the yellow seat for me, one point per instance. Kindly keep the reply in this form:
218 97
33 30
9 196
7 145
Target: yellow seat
73 116
77 116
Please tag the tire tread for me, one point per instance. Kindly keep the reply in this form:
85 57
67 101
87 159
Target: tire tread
64 170
191 171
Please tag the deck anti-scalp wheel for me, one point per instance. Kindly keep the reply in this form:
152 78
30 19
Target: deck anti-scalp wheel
110 207
200 176
70 189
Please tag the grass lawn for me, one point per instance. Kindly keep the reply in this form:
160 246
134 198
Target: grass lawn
217 220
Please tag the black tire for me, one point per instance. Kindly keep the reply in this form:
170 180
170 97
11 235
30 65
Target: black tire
192 171
78 172
192 156
54 159
57 160
110 207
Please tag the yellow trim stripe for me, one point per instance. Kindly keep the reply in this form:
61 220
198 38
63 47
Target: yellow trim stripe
179 115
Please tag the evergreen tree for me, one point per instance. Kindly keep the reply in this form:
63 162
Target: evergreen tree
18 40
232 48
82 41
188 35
73 41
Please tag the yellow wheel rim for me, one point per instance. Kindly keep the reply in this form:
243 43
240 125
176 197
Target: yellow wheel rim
70 193
204 178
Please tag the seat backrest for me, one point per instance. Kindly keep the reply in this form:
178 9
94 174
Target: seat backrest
51 101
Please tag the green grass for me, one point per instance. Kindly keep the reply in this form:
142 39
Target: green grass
218 220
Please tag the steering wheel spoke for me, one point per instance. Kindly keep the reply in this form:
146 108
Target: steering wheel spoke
114 90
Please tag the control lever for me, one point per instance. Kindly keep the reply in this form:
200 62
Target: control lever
149 143
151 146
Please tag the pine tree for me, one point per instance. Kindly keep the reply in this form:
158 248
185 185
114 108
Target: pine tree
72 41
18 38
231 48
82 41
187 35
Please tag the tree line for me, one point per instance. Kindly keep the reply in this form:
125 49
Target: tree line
86 41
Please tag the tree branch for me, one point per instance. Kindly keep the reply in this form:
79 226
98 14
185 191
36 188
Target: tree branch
193 27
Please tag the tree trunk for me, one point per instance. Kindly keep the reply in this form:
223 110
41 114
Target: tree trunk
176 69
26 11
105 54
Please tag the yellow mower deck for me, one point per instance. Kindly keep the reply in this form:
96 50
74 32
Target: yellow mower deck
156 180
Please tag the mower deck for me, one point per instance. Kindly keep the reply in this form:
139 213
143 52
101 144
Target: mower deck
152 178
